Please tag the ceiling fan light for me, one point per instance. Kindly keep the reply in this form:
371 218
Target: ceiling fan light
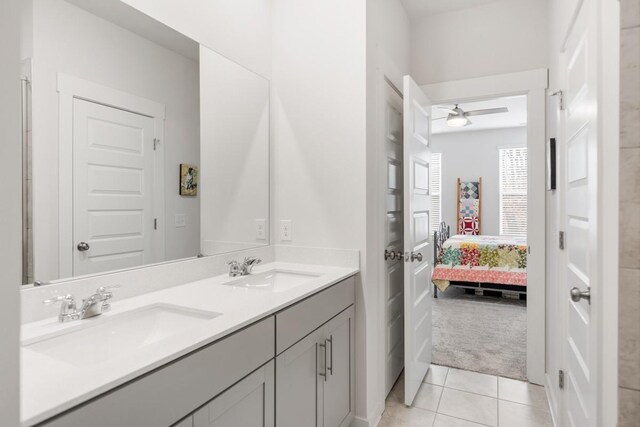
457 121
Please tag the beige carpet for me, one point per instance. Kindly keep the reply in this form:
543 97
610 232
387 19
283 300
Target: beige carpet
481 334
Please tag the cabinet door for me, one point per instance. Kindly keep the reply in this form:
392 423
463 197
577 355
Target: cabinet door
249 403
338 387
298 383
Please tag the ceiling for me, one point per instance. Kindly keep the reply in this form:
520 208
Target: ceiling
420 8
125 16
517 115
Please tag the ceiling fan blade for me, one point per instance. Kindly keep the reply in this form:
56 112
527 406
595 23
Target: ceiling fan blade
448 110
487 111
438 118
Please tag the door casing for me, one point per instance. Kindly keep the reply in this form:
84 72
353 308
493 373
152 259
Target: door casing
533 84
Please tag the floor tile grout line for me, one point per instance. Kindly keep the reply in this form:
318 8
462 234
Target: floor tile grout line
525 404
464 419
472 392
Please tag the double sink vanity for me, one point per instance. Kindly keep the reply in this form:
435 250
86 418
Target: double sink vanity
146 182
272 347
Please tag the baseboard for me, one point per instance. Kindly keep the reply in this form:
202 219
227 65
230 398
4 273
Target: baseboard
373 420
359 422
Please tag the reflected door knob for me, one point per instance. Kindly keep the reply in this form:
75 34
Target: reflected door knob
577 294
83 246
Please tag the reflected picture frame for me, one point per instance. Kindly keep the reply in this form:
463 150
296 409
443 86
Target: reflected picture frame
188 180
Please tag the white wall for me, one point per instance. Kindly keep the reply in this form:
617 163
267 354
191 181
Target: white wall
319 97
500 37
10 211
239 30
318 107
470 155
70 40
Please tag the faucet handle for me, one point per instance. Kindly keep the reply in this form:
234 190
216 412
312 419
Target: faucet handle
104 290
58 298
106 295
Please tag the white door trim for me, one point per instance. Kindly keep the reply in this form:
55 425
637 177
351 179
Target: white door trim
533 84
70 87
609 154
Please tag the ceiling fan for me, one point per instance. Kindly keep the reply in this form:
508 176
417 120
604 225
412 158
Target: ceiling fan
457 117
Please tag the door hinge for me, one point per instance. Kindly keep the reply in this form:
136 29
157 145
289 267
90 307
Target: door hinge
155 223
560 95
561 379
156 141
529 250
561 240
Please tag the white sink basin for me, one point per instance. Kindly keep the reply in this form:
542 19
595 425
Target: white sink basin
99 339
273 281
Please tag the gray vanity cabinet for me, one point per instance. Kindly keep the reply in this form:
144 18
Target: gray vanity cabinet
337 405
298 384
315 376
249 403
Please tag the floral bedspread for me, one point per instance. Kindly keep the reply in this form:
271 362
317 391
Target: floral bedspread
487 259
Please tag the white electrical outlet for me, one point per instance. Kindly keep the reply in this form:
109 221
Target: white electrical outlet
285 230
181 220
261 229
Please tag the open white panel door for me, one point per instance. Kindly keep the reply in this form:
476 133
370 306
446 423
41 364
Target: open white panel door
580 219
418 246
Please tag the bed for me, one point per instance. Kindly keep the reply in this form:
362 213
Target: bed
496 263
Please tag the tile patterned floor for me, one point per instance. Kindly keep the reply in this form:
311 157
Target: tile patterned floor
452 397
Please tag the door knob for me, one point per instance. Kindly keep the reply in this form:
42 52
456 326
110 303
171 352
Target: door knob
577 294
83 246
416 256
389 255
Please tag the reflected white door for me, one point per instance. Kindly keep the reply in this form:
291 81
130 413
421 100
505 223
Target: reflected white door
418 244
113 174
580 218
393 234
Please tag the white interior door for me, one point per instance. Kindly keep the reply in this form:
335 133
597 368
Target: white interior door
113 171
580 261
393 268
418 245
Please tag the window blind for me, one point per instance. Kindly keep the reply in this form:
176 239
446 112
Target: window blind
436 188
513 191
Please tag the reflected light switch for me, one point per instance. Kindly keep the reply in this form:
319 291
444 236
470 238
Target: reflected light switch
181 220
261 229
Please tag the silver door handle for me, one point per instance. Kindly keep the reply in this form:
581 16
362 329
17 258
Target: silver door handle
83 246
330 341
416 256
577 294
324 347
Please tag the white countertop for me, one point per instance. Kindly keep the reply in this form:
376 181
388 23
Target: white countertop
49 387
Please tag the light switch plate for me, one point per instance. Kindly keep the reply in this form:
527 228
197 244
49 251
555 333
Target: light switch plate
261 229
285 230
181 220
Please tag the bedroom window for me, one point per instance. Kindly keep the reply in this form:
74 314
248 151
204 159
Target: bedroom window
436 188
513 192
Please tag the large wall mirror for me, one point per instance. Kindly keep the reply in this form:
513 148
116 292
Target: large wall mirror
140 146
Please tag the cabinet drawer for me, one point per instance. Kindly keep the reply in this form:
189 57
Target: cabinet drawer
163 397
294 323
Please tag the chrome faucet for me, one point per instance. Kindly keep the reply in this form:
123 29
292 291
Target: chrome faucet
94 305
243 269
